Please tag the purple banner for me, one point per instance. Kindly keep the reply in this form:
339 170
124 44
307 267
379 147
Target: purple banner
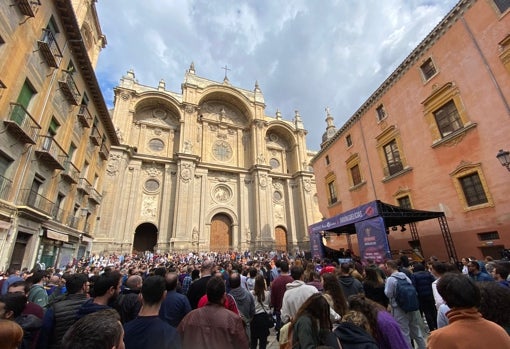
316 247
357 214
372 239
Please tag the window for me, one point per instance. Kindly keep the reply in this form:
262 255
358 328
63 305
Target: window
447 119
381 113
404 202
392 158
348 140
5 162
428 69
71 152
473 189
327 159
332 192
355 175
492 235
502 5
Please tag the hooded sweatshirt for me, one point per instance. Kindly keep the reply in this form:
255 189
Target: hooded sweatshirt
245 302
350 285
354 337
296 294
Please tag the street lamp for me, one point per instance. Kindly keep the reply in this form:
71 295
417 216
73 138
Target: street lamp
504 157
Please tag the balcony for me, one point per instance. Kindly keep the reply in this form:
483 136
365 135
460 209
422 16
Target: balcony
36 201
59 214
49 49
51 153
73 221
5 187
95 196
84 116
95 136
69 88
28 7
70 172
21 124
86 228
104 151
84 185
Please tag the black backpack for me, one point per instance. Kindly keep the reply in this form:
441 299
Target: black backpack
406 296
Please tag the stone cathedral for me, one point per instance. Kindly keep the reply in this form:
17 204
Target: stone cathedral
204 170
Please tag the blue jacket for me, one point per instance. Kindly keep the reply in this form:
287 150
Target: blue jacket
422 281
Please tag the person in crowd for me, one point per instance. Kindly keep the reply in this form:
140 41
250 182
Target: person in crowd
213 326
372 264
11 308
350 285
176 305
259 329
476 274
147 330
314 279
335 296
495 303
373 286
311 325
278 288
22 287
296 294
14 275
408 321
442 319
106 291
11 334
61 314
250 280
467 328
500 274
128 302
354 332
37 293
423 280
385 329
198 288
186 281
244 300
464 262
437 270
98 330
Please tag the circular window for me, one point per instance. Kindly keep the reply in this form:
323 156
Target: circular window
277 195
274 163
156 144
222 150
151 185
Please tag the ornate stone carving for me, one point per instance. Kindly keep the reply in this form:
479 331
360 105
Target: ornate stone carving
149 206
113 165
263 180
222 193
153 172
186 170
307 185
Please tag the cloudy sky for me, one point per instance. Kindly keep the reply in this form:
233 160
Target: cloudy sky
305 54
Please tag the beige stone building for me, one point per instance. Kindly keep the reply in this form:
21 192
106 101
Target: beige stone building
55 131
204 169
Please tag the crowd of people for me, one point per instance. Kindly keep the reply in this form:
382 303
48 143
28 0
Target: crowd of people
234 300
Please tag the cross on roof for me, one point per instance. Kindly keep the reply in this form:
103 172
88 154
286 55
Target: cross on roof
226 69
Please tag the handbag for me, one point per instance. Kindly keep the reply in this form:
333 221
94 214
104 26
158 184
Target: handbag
268 317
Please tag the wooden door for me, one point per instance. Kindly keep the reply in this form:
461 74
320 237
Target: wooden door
280 236
220 233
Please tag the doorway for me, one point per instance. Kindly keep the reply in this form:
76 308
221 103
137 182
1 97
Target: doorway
18 253
280 237
221 233
146 238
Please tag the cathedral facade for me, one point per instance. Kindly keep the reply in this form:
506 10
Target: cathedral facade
204 170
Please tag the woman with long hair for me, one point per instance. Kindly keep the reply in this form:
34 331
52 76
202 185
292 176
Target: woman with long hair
334 295
385 329
311 326
373 285
258 326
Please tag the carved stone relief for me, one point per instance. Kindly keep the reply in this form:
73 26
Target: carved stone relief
149 206
113 165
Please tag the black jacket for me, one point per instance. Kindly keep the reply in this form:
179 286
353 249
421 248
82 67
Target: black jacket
354 337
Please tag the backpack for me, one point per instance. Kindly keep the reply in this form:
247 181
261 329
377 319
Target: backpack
406 296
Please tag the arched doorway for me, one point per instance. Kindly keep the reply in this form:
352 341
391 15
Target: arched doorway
221 233
146 238
280 237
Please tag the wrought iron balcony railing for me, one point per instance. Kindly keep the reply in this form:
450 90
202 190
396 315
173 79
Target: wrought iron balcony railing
21 124
84 116
5 187
70 172
51 153
84 185
104 151
95 136
49 49
69 88
36 201
28 7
